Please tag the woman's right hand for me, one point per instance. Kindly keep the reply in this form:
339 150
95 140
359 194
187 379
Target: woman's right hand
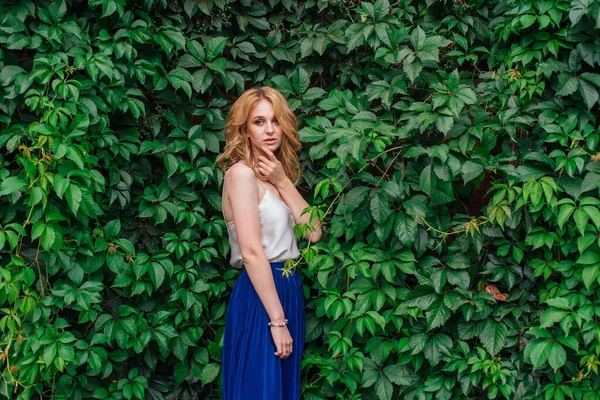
283 341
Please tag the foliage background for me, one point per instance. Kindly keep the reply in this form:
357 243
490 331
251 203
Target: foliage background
453 145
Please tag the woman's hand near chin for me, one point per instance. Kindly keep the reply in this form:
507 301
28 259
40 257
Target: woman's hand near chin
270 168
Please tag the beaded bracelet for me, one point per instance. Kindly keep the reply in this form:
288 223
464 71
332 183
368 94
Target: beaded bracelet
278 325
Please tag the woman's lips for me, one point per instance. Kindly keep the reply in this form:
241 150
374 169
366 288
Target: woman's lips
270 141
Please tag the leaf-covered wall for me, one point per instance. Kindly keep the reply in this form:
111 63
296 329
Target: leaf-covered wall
451 147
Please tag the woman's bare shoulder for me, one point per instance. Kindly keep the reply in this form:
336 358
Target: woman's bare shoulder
239 171
240 176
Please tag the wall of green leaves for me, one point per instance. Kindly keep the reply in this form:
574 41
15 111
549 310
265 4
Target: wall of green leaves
451 147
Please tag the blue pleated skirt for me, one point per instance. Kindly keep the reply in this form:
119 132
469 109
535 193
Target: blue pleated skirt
250 370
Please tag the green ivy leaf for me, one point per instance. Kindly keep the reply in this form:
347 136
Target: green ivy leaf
11 185
397 374
581 220
215 46
210 372
557 356
74 197
79 126
471 170
589 257
157 274
406 228
380 208
412 69
48 238
444 124
112 229
171 163
437 314
384 388
300 80
564 214
589 93
180 372
538 352
493 336
589 275
458 261
567 85
202 80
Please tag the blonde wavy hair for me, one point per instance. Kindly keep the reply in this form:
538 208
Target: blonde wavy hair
237 144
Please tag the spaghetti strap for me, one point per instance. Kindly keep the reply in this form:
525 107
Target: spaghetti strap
261 184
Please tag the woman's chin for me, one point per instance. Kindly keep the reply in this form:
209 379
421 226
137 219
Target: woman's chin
272 146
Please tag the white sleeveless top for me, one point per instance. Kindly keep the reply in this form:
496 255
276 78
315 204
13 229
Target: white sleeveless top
276 231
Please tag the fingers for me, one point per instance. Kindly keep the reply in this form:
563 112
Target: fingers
279 351
287 348
270 157
286 353
265 168
283 351
269 153
264 160
284 348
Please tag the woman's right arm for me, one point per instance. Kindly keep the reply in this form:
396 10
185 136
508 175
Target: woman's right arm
243 192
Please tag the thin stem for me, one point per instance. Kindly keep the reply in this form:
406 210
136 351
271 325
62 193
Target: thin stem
387 169
37 264
477 222
294 263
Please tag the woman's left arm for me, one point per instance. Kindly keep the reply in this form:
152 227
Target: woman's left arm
297 204
271 168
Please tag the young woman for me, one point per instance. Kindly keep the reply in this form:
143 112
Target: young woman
264 328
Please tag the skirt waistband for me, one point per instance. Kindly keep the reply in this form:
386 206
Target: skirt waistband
277 267
274 264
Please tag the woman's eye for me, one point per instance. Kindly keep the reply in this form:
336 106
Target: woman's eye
276 122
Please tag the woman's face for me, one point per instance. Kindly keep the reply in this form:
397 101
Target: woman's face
263 128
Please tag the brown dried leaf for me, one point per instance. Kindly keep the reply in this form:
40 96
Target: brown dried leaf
495 292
